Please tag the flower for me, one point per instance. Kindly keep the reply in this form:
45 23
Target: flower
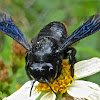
18 56
77 90
18 49
4 71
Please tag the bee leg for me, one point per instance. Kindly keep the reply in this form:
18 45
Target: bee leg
50 87
72 59
32 87
26 68
27 65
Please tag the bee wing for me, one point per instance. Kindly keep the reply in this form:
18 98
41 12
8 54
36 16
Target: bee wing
90 26
8 27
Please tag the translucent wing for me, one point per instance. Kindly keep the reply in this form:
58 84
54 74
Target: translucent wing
91 26
8 27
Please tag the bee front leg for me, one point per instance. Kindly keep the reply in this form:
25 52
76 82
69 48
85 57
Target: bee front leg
72 59
27 65
26 68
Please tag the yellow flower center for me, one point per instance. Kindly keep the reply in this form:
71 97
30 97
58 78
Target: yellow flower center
60 85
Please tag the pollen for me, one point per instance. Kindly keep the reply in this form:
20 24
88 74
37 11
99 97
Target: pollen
60 85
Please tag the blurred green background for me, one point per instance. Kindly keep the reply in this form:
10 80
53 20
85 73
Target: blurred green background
32 15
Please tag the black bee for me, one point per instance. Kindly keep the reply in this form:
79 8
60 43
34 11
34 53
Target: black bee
47 50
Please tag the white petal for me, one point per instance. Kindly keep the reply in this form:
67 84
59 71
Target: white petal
68 97
79 99
48 96
84 89
78 92
24 92
87 67
5 98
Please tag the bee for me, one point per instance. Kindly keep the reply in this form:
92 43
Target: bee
48 49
